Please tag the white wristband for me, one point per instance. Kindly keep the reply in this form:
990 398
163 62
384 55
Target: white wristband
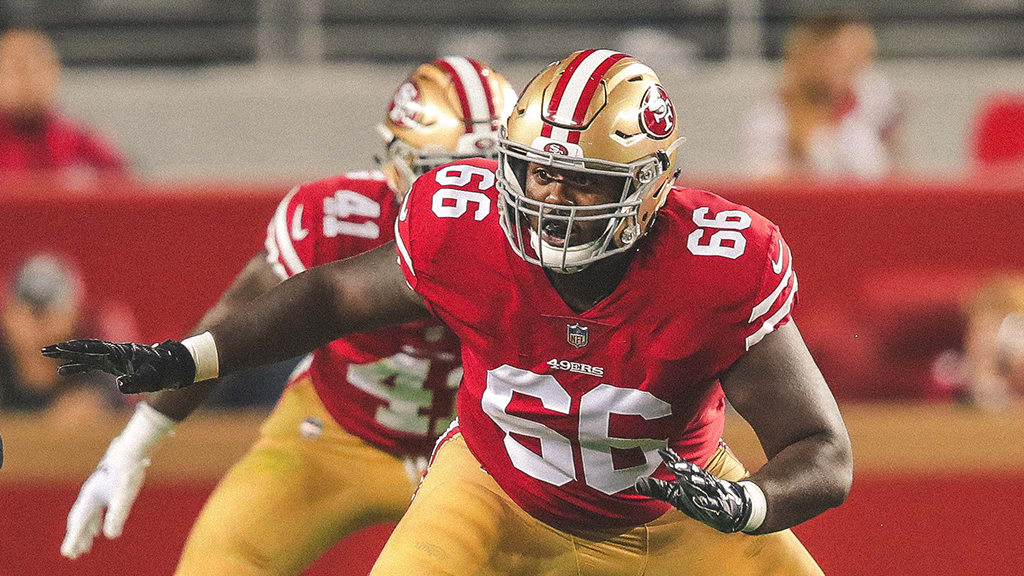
758 505
146 427
204 353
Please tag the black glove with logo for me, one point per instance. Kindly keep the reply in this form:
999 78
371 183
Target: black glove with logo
138 368
721 504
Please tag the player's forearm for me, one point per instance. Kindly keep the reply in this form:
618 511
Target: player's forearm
805 478
178 404
360 294
256 279
309 310
294 318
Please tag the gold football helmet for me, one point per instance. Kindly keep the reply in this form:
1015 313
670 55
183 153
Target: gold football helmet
599 112
447 109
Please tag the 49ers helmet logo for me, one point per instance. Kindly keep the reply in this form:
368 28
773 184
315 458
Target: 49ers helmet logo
657 115
405 109
556 148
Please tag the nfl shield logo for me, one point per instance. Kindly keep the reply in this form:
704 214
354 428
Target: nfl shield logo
577 335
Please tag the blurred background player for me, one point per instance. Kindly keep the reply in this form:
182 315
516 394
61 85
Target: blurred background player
34 136
44 297
833 114
346 444
582 363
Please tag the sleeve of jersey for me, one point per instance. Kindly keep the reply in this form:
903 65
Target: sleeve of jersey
291 240
414 242
773 305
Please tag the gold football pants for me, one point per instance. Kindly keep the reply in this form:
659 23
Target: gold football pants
304 485
461 524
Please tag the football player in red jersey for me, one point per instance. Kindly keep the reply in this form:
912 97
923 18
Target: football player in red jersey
605 315
346 444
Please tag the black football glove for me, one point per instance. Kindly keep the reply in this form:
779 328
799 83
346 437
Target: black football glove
721 504
138 368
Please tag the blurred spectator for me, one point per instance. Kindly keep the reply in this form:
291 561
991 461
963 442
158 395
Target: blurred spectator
42 304
999 134
833 114
34 137
991 368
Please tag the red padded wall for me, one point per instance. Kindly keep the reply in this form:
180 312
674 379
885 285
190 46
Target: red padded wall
949 525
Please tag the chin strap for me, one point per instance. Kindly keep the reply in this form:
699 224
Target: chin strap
572 254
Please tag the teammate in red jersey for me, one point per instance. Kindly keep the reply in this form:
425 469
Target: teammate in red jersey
605 315
345 446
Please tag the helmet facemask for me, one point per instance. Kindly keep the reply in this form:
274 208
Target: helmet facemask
405 163
526 220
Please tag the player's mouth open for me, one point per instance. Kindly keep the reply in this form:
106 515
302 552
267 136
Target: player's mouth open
554 232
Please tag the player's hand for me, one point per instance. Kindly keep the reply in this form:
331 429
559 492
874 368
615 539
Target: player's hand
113 487
721 504
138 368
115 483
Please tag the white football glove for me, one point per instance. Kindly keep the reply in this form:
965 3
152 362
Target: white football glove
116 481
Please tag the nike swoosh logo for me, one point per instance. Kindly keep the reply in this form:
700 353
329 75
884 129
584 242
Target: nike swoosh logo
404 212
298 233
777 266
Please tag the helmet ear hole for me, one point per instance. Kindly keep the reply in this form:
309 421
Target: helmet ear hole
666 162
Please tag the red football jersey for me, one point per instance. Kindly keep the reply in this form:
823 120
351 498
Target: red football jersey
394 388
566 410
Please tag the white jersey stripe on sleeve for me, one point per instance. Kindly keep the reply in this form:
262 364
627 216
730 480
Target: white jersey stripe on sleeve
301 367
273 254
403 250
773 320
284 241
762 307
476 96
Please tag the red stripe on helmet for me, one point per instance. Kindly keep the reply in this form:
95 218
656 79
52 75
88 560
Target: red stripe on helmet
460 90
591 88
556 96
